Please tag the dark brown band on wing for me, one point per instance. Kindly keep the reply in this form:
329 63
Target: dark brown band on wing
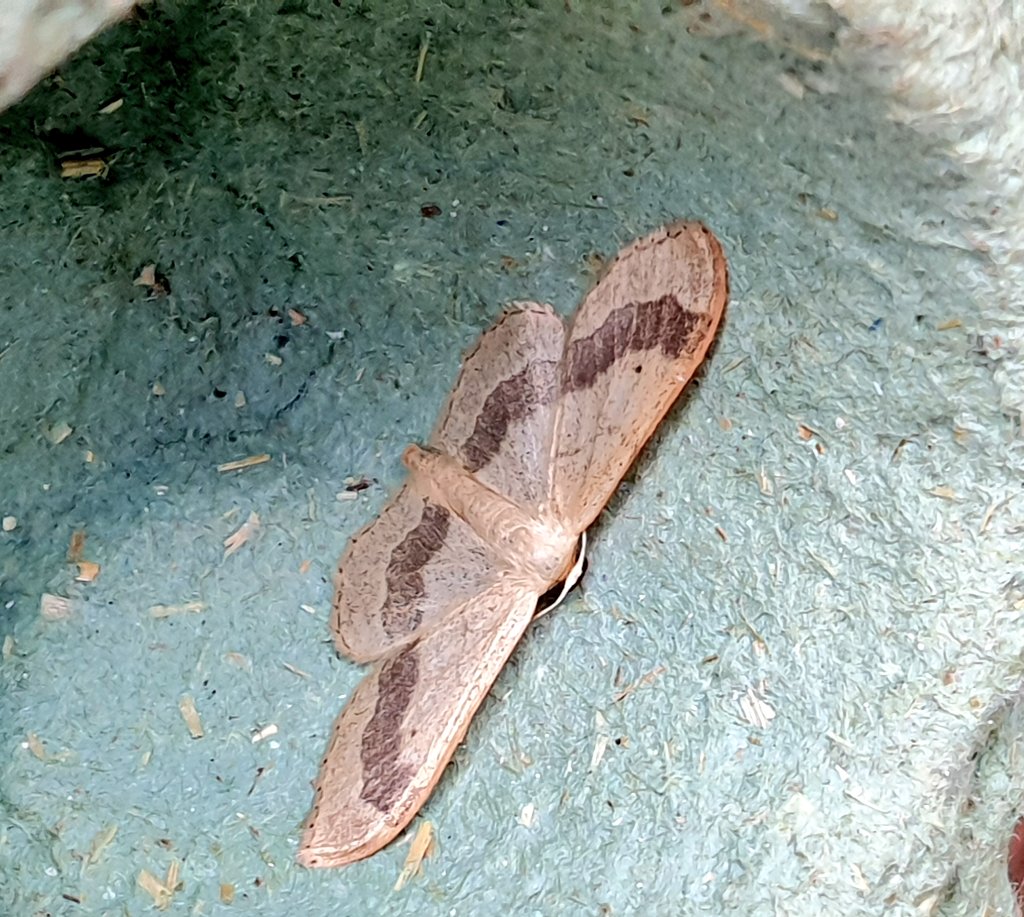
509 401
401 613
633 328
381 747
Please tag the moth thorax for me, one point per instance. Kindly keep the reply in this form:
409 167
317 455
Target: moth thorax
544 551
531 543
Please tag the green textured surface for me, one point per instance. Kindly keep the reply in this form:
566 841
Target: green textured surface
544 136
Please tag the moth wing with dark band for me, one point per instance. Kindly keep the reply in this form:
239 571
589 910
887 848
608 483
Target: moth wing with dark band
403 574
393 739
499 417
634 343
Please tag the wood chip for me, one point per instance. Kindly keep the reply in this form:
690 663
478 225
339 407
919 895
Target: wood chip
641 682
92 167
190 715
59 432
87 571
8 650
77 546
240 536
756 710
422 847
946 493
159 892
239 464
238 660
227 893
949 325
297 317
111 107
265 733
167 611
421 61
54 607
296 671
35 745
528 815
100 842
600 746
146 277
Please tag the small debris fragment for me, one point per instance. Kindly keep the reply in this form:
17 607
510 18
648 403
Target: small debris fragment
111 107
158 890
59 432
35 745
100 843
429 211
296 671
422 60
641 682
946 493
240 401
422 847
240 464
158 390
273 359
77 546
265 733
827 213
87 571
297 317
792 85
239 660
167 611
236 539
756 710
528 815
88 167
157 284
8 649
190 715
54 607
227 893
10 523
949 325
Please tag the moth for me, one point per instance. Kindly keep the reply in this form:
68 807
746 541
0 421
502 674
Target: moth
434 594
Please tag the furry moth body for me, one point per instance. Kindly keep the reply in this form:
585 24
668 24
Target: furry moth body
542 424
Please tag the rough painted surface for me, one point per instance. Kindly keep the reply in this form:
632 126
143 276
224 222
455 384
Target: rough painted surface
266 163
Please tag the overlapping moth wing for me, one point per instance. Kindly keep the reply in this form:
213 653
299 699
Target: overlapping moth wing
633 344
403 573
399 730
499 417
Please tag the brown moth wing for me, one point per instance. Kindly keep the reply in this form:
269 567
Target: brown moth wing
498 420
403 573
634 342
393 739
